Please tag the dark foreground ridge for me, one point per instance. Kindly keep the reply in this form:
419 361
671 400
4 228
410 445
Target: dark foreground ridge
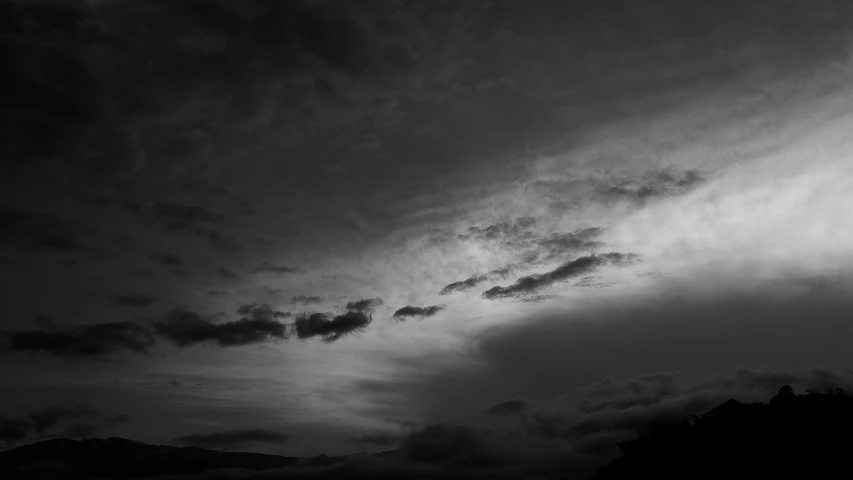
118 458
793 436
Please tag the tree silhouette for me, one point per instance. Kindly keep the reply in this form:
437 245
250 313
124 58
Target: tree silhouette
805 434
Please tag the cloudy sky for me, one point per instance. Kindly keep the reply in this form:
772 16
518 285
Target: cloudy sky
305 227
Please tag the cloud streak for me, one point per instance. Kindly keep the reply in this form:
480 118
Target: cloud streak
413 311
184 328
331 328
574 268
85 340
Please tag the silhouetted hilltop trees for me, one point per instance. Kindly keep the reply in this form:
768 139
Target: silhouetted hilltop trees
792 435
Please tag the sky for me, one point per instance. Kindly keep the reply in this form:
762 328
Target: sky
305 227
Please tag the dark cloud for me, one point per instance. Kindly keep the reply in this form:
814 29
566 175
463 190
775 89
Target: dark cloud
45 322
232 439
169 260
268 267
185 328
305 300
571 269
218 240
178 217
379 439
263 312
225 273
13 431
134 300
561 245
79 430
509 407
122 418
36 231
364 305
463 285
331 329
85 340
517 233
456 446
412 311
48 417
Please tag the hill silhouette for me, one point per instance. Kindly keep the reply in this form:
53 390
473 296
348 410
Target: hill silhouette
118 458
792 435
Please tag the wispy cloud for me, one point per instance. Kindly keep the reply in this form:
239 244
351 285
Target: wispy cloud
412 311
574 268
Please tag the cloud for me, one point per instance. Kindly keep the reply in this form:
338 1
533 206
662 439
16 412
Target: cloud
45 321
560 245
652 184
305 300
13 431
412 311
613 190
225 273
169 260
122 418
176 216
48 417
134 300
378 439
365 305
331 329
36 231
509 407
262 312
232 438
268 267
463 285
79 430
574 268
85 340
517 233
218 240
185 328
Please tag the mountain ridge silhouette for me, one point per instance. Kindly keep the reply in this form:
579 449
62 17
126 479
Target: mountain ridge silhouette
120 458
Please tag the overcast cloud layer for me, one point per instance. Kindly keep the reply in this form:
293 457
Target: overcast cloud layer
518 230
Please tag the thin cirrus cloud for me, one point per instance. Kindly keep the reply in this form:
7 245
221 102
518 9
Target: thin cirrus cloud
574 268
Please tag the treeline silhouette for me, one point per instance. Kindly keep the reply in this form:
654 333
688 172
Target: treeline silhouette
794 435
